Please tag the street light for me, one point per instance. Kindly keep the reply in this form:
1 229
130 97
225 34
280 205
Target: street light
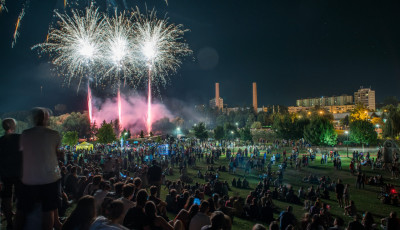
347 134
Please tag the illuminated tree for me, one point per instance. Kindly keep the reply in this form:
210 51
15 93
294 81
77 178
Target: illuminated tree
377 121
256 125
70 138
360 113
362 132
320 131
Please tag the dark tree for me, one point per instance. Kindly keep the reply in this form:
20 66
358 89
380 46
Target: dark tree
106 134
200 131
245 134
164 126
219 133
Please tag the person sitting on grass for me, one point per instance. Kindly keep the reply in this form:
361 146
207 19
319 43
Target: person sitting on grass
391 222
368 221
217 221
127 193
115 212
239 183
315 223
186 216
286 218
274 225
355 224
161 205
158 222
258 227
305 221
101 193
351 210
136 218
201 218
245 183
82 216
172 201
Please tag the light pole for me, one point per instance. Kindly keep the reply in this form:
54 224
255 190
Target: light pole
347 144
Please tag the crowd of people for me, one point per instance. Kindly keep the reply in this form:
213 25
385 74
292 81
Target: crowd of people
120 188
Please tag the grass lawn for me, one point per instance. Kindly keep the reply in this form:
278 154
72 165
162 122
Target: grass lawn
365 199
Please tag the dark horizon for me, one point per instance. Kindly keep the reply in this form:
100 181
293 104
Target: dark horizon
292 50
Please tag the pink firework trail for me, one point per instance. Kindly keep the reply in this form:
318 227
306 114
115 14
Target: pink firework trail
89 99
119 109
149 104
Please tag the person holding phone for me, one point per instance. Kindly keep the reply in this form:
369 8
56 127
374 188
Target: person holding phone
201 218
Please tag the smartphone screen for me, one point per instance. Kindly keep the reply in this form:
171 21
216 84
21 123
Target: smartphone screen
196 201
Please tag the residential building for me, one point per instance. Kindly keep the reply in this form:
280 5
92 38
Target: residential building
366 97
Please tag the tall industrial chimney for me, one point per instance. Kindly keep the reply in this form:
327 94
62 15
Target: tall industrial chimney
217 95
255 97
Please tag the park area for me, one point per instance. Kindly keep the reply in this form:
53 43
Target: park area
365 199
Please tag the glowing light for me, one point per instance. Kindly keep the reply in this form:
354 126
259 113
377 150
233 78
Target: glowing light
75 45
119 109
17 25
90 104
117 48
149 115
3 5
149 50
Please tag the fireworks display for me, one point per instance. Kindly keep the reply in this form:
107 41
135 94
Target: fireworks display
160 47
117 48
76 46
17 25
122 47
3 5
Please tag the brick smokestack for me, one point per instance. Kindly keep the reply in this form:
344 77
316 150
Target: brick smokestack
255 97
217 95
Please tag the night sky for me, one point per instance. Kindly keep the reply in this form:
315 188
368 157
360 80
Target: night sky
292 49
